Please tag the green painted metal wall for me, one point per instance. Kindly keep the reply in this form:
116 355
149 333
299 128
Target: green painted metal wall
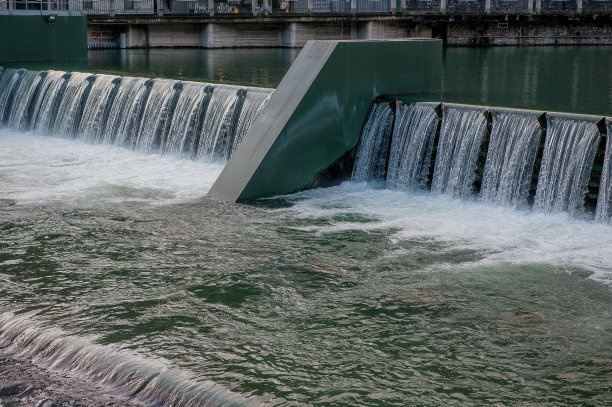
327 120
32 38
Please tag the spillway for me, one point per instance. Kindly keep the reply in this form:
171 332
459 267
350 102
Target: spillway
502 156
195 120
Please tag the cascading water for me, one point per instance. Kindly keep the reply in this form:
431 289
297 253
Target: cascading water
569 151
187 121
371 158
156 114
603 212
71 104
97 108
460 138
508 171
253 103
9 83
133 378
219 122
20 112
168 116
45 108
510 158
412 146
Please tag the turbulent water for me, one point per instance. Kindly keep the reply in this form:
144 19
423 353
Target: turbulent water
122 282
186 118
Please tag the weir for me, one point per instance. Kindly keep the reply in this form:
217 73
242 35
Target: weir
196 120
316 126
503 156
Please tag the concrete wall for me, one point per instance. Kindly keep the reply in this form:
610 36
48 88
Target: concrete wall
32 38
529 33
290 34
315 115
247 35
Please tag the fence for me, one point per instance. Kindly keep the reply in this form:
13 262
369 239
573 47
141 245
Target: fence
27 7
300 7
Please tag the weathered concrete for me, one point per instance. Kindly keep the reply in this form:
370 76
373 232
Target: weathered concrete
530 33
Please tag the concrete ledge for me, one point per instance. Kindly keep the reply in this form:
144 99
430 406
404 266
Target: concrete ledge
316 113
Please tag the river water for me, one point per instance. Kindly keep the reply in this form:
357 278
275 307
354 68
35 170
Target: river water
121 283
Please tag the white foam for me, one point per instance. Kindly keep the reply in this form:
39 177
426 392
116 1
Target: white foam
37 169
499 234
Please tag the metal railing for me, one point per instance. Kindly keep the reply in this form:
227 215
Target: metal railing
300 7
37 7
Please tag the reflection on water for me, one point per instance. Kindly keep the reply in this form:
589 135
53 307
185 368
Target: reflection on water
567 79
255 67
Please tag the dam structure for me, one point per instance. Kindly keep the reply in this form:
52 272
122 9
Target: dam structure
554 162
190 119
551 161
388 247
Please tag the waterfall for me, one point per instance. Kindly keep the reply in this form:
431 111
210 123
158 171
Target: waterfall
461 135
10 81
156 114
187 120
46 108
167 116
510 158
97 108
569 151
603 212
370 162
218 122
412 146
71 104
253 103
20 111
